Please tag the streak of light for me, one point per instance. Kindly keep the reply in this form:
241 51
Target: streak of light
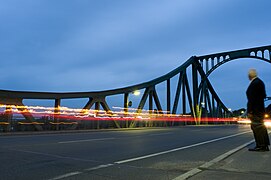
117 114
267 122
28 123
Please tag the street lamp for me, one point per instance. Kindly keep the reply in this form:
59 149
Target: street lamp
136 93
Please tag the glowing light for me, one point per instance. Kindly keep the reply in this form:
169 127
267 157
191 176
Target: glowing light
136 93
244 121
266 115
30 123
39 110
4 123
267 123
65 123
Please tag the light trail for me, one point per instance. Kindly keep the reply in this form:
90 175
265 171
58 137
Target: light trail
117 114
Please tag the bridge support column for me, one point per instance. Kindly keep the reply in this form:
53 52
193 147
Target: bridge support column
183 96
57 113
97 109
8 114
168 97
195 90
126 102
151 102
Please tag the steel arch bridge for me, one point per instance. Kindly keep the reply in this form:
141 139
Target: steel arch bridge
190 96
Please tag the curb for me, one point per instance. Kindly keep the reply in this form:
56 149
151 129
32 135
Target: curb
206 165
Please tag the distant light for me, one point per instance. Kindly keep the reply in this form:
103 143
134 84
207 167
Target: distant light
244 121
242 112
136 93
267 123
266 116
229 109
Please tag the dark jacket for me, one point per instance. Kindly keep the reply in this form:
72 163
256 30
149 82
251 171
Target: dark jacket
255 96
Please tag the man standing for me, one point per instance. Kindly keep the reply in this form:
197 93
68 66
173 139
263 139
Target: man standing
256 110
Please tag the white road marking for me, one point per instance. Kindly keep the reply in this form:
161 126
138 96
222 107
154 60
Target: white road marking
79 172
66 175
99 167
85 140
210 163
180 148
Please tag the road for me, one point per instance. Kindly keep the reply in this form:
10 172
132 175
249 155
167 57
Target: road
157 153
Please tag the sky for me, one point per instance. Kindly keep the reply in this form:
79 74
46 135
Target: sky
93 45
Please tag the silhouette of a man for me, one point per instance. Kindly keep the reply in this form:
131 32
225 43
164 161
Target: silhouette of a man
256 111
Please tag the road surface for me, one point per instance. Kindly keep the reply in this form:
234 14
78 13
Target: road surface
156 153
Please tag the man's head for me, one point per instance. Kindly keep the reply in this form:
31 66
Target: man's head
252 73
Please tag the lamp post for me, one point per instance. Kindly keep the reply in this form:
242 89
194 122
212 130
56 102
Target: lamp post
128 104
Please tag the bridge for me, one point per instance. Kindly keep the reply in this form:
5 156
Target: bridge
192 94
179 152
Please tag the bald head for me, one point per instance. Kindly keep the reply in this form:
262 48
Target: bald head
252 73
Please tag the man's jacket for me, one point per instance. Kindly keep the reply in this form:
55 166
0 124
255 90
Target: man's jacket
256 95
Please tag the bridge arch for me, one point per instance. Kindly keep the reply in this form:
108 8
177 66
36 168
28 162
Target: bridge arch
216 60
232 59
211 62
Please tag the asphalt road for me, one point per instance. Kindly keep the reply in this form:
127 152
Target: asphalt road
158 153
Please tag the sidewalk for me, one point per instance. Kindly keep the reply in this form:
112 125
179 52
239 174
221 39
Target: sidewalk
240 165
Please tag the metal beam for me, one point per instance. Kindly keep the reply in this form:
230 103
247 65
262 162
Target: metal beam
150 102
97 111
89 104
177 95
168 97
195 86
57 113
183 95
8 114
157 102
126 102
143 100
189 95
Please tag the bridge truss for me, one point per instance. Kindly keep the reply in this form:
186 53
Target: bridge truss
191 96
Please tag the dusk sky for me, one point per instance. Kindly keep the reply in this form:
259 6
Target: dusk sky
93 45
